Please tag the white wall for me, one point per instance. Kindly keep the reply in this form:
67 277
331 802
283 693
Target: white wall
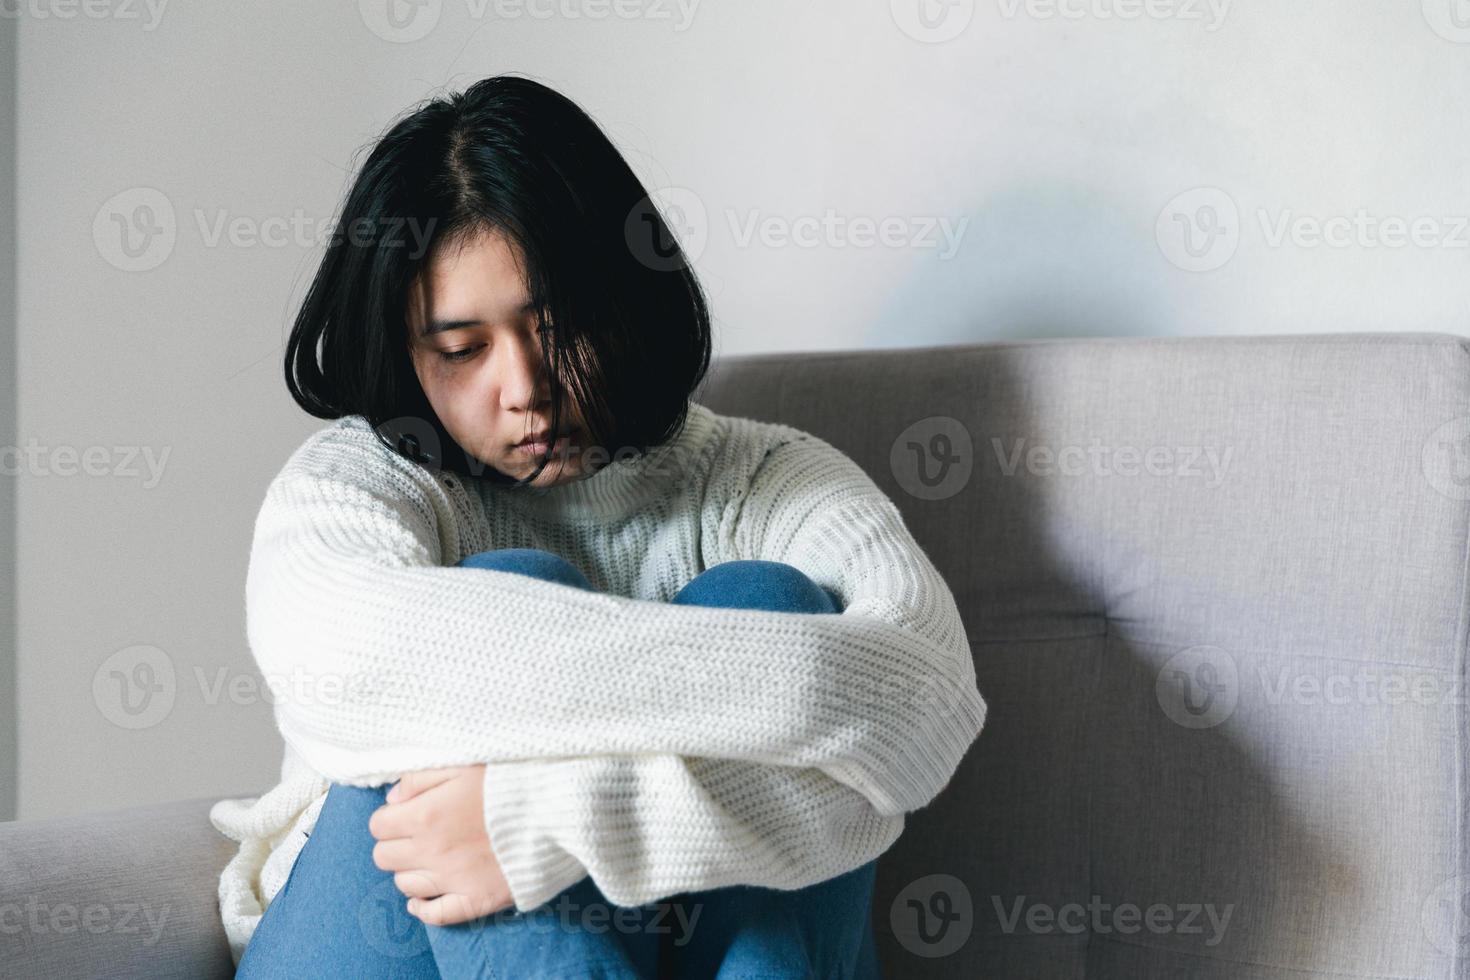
1055 145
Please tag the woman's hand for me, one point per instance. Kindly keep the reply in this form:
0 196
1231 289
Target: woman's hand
431 834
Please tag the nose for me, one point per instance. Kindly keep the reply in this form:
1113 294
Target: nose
522 385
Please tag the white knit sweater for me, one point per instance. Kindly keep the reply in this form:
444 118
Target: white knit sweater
658 747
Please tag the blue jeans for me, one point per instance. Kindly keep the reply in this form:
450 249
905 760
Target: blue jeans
338 915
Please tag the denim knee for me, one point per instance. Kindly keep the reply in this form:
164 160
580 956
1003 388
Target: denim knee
529 561
753 583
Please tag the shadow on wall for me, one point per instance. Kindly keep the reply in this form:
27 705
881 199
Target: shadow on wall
1036 261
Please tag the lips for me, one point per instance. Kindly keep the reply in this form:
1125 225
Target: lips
542 436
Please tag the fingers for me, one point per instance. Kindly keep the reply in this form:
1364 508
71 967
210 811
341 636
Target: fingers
414 783
388 822
400 854
417 884
404 819
452 909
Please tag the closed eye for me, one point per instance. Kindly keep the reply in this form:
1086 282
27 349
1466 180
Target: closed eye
455 356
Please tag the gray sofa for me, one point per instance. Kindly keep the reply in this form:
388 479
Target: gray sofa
1216 592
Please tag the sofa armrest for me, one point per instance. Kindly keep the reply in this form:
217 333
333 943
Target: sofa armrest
121 893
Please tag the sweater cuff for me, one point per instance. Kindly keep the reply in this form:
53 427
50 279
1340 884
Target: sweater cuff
535 867
936 737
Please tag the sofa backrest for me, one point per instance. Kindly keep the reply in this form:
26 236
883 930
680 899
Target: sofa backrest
1216 594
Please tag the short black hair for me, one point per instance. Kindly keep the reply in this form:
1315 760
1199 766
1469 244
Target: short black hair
625 324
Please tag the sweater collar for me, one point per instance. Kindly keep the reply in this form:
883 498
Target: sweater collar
620 487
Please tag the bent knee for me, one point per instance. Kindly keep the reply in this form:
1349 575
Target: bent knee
534 562
756 583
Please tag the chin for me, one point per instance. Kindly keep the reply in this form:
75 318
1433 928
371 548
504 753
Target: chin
555 472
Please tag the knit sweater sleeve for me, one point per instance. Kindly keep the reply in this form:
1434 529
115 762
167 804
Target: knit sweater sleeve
647 826
900 634
386 661
651 825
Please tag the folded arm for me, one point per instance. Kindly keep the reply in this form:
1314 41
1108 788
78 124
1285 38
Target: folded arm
649 826
393 662
387 661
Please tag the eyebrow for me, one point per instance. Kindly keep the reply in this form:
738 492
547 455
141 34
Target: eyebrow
439 326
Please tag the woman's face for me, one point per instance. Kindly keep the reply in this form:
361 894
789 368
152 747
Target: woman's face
475 349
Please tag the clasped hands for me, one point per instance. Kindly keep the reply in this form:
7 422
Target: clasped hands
431 834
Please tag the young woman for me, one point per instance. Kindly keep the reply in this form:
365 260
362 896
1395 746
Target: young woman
652 686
